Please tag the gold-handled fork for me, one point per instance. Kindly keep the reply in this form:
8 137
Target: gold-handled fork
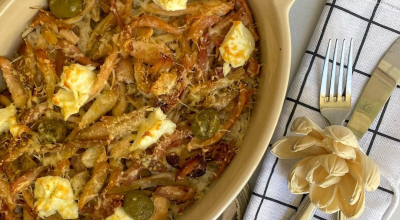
335 105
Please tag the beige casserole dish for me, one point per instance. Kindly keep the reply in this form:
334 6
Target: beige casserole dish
272 21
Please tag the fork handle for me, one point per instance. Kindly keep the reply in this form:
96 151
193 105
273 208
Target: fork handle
305 211
341 216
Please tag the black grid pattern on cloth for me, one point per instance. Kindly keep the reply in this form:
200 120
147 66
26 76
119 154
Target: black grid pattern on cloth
296 101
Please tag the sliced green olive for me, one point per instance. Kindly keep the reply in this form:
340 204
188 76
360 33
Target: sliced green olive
66 8
52 131
205 124
138 205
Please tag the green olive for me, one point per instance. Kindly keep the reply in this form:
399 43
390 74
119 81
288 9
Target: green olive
138 205
66 8
52 131
205 124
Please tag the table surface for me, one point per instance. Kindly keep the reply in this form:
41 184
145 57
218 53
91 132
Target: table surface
304 16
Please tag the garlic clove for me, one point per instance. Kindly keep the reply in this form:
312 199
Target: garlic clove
305 126
370 172
322 197
352 211
343 135
297 182
334 165
283 149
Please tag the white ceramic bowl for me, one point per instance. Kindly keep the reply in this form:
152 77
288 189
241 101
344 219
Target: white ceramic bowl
272 21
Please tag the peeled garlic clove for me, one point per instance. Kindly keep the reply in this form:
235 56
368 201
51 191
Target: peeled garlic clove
334 165
343 135
297 182
351 185
343 151
333 206
322 197
370 172
283 148
352 211
304 125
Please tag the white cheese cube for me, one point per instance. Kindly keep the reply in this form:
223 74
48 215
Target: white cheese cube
226 69
54 194
78 79
15 129
5 114
171 5
90 156
76 82
67 102
156 125
238 45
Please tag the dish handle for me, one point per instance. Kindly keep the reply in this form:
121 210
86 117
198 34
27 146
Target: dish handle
284 5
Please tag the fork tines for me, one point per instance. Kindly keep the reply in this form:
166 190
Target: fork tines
332 88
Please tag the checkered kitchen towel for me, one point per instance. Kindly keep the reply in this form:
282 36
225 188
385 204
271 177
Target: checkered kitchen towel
374 25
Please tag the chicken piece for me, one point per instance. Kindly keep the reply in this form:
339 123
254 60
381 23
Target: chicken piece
71 51
103 104
113 126
198 27
15 83
175 194
161 206
122 104
6 195
103 75
161 179
114 10
47 67
194 167
148 21
142 80
124 71
95 184
50 21
22 182
164 84
149 53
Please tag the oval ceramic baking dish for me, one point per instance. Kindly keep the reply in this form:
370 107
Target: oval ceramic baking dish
272 21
